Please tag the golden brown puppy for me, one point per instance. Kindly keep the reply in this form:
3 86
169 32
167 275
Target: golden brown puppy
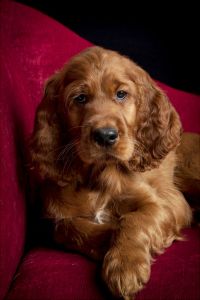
104 148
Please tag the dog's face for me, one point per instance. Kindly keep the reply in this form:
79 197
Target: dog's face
100 105
109 109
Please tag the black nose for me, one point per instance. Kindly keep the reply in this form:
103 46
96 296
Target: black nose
105 136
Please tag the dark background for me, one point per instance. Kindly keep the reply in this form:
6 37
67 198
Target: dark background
162 38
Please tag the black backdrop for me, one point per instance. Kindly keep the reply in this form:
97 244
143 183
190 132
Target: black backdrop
162 38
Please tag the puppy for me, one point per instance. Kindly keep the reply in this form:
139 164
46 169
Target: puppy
103 146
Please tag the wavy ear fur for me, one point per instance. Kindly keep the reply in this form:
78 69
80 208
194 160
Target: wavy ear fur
158 127
46 139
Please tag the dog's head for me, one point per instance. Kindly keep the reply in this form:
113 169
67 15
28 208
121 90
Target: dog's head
102 107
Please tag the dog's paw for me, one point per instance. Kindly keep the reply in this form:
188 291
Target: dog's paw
125 274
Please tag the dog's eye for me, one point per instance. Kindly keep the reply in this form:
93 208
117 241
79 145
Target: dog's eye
121 95
80 98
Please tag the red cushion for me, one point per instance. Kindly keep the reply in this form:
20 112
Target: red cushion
33 47
176 273
50 274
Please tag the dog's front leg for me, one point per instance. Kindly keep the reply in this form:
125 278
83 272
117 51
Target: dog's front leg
148 228
82 235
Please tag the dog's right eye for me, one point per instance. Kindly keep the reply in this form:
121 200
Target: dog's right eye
121 95
80 98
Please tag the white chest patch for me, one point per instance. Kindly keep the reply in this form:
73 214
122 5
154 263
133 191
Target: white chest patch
102 216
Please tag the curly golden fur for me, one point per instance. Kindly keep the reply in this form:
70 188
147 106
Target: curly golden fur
103 147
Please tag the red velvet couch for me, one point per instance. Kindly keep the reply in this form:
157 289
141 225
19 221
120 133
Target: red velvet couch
33 46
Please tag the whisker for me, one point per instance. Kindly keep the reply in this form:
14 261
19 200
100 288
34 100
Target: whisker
73 153
68 164
67 149
56 149
77 127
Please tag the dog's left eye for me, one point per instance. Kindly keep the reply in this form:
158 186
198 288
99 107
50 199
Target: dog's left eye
121 95
80 98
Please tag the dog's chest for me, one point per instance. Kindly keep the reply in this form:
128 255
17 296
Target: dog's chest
102 216
114 183
99 205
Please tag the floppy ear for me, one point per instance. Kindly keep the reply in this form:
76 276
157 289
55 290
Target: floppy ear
158 127
46 137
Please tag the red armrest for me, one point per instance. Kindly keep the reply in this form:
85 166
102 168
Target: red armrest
32 47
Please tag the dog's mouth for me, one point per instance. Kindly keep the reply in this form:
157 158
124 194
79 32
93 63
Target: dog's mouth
92 154
110 158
